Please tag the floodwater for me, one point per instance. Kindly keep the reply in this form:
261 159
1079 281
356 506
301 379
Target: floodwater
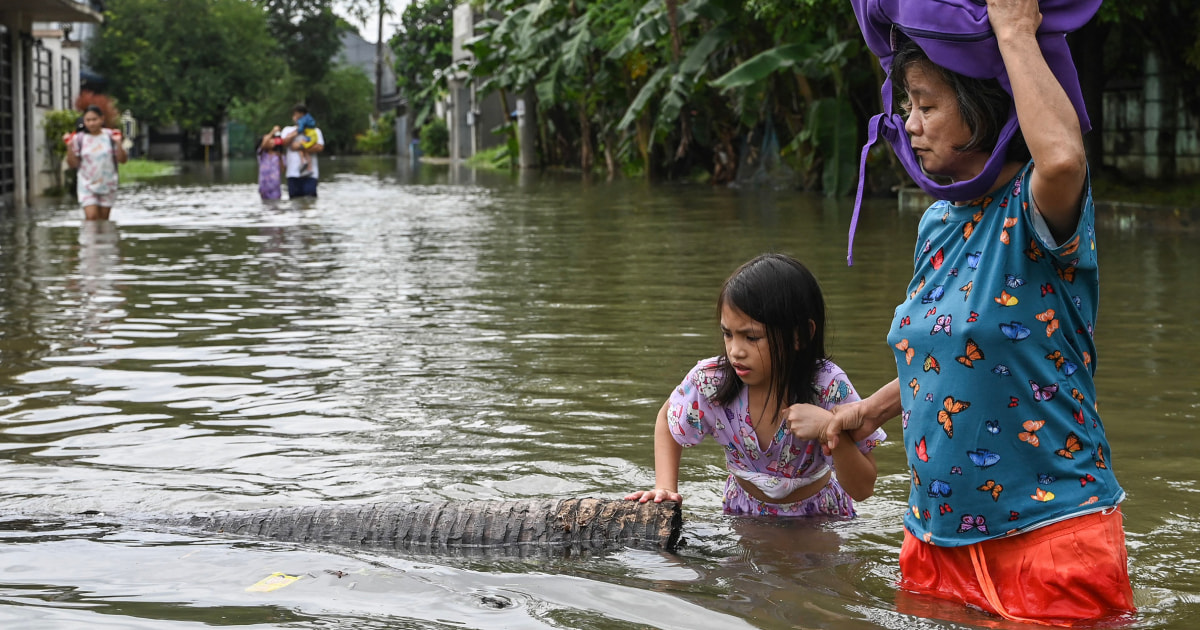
430 334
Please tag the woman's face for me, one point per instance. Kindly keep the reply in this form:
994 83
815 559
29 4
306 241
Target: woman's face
93 122
935 126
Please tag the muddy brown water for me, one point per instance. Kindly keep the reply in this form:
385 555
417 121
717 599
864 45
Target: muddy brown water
438 333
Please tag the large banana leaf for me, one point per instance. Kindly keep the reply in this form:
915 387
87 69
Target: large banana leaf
764 64
806 57
647 92
575 50
652 23
835 130
697 56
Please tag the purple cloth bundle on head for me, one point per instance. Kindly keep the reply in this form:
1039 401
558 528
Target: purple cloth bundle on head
956 35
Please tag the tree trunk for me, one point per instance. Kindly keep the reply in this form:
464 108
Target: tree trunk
610 159
685 128
470 527
585 137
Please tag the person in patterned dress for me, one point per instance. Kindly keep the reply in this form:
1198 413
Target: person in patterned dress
1013 502
773 323
96 151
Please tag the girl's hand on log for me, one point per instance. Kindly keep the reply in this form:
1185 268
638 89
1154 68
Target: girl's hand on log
658 495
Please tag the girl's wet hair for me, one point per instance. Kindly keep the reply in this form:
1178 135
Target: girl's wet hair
780 293
983 103
95 109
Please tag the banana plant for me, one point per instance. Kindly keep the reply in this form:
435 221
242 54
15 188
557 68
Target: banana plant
666 93
830 129
557 49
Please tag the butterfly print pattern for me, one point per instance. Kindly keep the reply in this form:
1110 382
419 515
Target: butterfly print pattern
1021 340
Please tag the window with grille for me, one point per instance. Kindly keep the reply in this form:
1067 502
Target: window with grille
43 79
67 97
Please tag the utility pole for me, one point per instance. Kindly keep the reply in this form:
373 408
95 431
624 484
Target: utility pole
379 58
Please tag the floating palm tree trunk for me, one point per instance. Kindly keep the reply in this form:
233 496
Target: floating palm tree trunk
506 527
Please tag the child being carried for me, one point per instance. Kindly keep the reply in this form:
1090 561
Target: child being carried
306 137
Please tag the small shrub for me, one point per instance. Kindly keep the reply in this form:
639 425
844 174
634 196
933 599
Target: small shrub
57 124
496 158
435 139
379 139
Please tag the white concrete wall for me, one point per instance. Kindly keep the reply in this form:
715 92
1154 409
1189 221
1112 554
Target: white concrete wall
63 92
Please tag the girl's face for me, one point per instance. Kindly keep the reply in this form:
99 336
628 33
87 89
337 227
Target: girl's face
935 126
93 122
746 346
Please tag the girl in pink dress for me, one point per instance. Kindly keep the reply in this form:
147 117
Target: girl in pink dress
773 323
270 165
96 151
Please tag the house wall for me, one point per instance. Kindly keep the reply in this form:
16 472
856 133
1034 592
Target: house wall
489 114
20 134
53 87
471 115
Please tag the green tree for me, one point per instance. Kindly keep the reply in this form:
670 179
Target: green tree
422 52
342 105
637 80
558 50
308 33
184 61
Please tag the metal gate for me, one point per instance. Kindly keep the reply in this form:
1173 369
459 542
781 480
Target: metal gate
7 120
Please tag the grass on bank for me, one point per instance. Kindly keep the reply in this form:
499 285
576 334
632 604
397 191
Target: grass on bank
495 158
1184 193
140 168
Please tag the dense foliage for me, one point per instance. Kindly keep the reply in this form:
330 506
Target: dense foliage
724 89
307 32
200 62
184 61
422 51
340 103
677 88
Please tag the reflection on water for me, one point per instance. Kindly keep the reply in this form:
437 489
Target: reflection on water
450 334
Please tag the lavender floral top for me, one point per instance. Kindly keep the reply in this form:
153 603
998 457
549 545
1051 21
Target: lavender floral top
268 174
777 468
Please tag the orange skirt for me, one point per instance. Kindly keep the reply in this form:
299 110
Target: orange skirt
1059 574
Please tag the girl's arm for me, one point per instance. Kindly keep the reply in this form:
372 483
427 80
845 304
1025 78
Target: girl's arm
1048 119
858 419
72 156
122 155
856 471
667 453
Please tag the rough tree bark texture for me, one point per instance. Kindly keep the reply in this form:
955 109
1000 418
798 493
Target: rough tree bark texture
505 527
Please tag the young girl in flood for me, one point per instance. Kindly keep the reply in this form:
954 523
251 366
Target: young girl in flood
773 322
96 151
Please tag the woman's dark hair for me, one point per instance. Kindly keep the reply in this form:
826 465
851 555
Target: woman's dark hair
300 108
780 293
983 103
